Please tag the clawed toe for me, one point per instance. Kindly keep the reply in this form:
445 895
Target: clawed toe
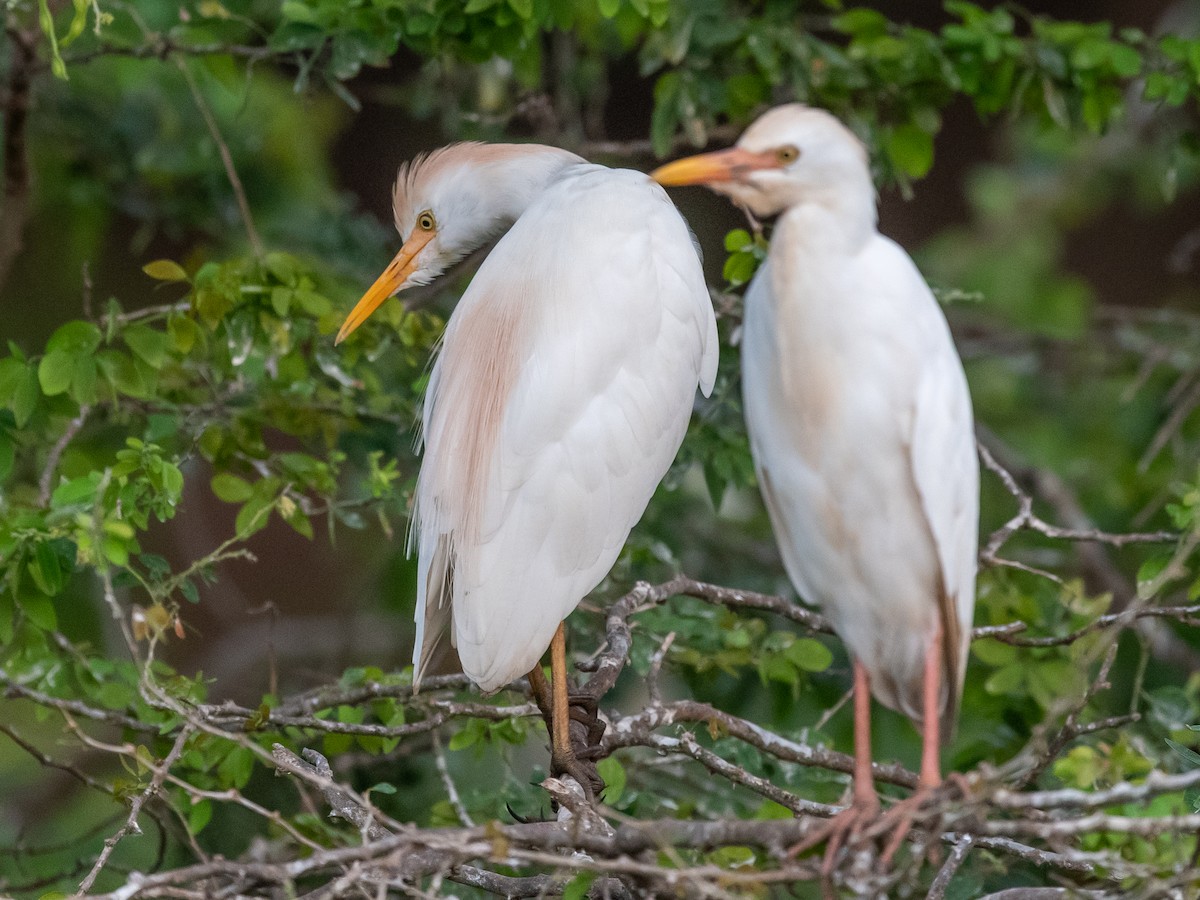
898 821
842 830
585 711
582 770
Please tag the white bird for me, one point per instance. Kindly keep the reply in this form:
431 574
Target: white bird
562 391
861 430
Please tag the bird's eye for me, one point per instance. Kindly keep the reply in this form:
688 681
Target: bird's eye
426 222
787 153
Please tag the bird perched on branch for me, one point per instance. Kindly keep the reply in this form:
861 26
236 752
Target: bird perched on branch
861 430
562 391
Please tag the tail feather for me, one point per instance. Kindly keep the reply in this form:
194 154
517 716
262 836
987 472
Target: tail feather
438 613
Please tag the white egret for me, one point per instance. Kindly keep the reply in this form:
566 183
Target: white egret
861 430
562 391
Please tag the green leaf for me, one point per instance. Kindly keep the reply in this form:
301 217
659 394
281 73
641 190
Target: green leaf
911 149
1188 755
739 268
183 332
254 515
463 739
609 8
75 338
46 570
861 23
237 767
55 372
733 857
199 816
46 21
614 776
149 344
25 397
165 270
737 239
7 454
77 490
83 380
231 488
577 887
810 655
39 610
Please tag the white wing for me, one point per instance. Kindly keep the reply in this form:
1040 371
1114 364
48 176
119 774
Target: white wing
846 359
563 390
946 469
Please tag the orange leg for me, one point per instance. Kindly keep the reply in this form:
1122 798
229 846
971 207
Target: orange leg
864 804
556 708
560 738
899 819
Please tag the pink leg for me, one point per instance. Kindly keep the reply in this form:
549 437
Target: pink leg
864 804
931 773
899 818
864 781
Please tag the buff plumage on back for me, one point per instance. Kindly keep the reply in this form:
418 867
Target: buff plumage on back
559 399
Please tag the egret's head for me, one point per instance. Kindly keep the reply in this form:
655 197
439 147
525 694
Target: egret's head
452 201
790 155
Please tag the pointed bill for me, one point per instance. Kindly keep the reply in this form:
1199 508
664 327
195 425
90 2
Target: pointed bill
387 284
706 168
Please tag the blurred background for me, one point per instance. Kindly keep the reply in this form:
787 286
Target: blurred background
1067 256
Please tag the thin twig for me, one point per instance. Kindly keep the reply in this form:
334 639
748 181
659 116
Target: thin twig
235 180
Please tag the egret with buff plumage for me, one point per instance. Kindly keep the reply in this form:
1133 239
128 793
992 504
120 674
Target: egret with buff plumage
861 430
561 393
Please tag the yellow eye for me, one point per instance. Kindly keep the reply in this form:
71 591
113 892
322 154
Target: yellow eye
787 153
426 222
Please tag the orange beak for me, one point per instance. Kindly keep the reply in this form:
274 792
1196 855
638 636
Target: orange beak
723 165
387 284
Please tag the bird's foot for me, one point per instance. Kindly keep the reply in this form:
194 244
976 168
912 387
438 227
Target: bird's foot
526 820
842 830
898 821
582 770
585 710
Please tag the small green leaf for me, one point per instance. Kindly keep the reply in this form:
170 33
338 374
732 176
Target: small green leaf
45 570
46 21
231 488
614 776
463 739
183 332
7 454
1188 755
737 239
75 338
77 490
55 372
577 887
199 816
165 270
83 380
149 344
911 149
254 515
733 857
39 610
236 768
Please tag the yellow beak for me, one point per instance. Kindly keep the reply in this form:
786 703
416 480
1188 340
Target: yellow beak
387 284
706 168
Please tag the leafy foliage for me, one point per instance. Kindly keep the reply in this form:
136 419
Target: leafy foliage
211 379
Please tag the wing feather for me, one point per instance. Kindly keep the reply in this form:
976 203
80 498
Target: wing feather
563 390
